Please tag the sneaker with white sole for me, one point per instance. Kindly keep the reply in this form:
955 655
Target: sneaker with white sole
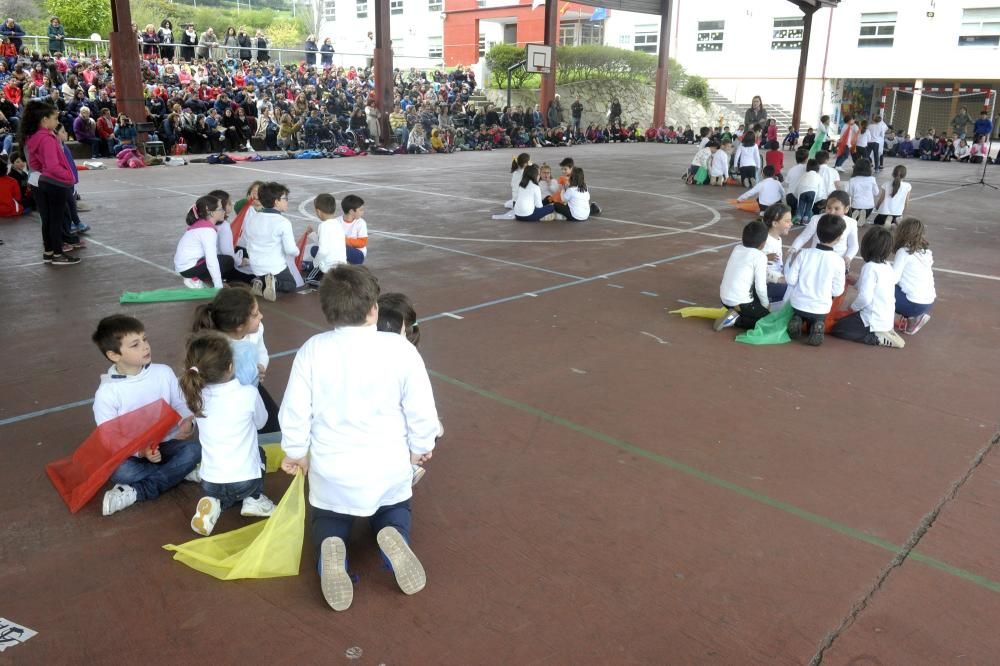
194 283
409 573
118 498
914 324
206 515
270 292
726 320
338 590
418 473
261 507
885 339
795 327
816 332
194 476
257 287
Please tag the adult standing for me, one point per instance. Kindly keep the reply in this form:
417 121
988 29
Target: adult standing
246 46
166 37
261 43
755 115
57 36
188 41
614 111
577 112
961 121
206 43
876 146
311 48
326 53
55 177
554 113
231 44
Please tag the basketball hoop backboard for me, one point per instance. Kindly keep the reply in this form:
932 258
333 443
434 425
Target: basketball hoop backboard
538 59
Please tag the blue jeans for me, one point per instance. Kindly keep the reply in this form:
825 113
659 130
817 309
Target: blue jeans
909 309
8 143
805 207
229 494
331 524
537 215
776 291
151 479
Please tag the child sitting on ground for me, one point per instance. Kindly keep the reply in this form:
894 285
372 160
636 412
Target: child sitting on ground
778 220
718 169
913 269
358 412
133 381
331 246
700 161
775 158
577 207
806 190
550 187
817 277
228 415
872 319
10 193
744 283
768 191
862 190
794 174
747 160
355 228
235 313
847 246
197 258
893 198
791 139
516 171
271 244
528 206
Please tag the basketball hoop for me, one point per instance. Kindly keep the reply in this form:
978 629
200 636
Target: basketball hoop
538 59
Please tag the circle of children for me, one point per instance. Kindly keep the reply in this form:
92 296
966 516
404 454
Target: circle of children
361 432
895 287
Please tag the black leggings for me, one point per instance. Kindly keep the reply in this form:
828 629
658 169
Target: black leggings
272 411
748 173
227 267
563 209
881 218
53 202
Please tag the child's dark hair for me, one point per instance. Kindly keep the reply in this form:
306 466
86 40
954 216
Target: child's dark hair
773 145
775 212
830 228
824 119
910 236
347 294
111 330
567 162
231 308
222 196
768 171
576 179
351 202
257 184
754 234
898 174
269 193
822 156
395 314
519 162
325 203
841 196
812 165
209 360
876 245
749 139
704 131
712 144
530 175
801 155
862 167
201 209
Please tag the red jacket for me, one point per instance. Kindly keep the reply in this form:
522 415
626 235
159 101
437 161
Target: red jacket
10 197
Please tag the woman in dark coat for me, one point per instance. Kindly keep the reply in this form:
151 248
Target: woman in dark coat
311 48
246 46
755 115
326 51
188 41
166 37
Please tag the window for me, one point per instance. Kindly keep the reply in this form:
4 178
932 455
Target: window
395 45
434 5
434 47
395 7
646 38
980 27
362 8
787 34
592 33
710 34
329 10
567 34
482 45
877 30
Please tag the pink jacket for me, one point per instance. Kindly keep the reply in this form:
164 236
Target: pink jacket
45 155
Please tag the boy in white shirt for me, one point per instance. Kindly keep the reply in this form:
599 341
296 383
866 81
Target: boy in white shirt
718 169
817 275
847 246
744 283
133 381
270 242
355 228
331 245
807 187
828 177
794 174
357 413
768 190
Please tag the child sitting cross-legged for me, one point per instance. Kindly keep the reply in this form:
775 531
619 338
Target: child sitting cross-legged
198 258
768 190
817 276
355 228
744 283
357 413
271 244
134 381
874 308
228 414
331 246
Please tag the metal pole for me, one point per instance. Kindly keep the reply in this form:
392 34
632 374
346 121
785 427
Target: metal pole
511 70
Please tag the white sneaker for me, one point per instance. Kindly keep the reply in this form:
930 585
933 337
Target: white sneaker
410 575
194 476
726 320
118 498
418 473
193 283
262 507
206 515
270 293
338 590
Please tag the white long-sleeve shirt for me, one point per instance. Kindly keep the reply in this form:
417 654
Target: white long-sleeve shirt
269 240
817 276
747 156
877 132
915 275
863 191
120 394
810 181
719 166
829 177
793 176
196 245
358 402
515 182
746 271
876 299
578 202
332 244
767 191
776 268
527 200
233 413
846 247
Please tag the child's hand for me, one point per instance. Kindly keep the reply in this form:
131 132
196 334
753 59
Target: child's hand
261 371
293 465
185 428
420 458
773 256
152 456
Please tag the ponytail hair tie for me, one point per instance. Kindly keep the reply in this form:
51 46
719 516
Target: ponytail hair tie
194 209
194 369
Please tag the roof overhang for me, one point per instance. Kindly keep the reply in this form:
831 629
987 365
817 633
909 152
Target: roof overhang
655 6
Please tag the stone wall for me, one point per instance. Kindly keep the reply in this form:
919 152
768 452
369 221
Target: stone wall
636 100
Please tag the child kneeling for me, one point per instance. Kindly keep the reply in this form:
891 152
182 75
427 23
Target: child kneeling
744 284
357 413
816 276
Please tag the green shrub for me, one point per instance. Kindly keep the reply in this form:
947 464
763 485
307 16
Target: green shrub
696 87
502 56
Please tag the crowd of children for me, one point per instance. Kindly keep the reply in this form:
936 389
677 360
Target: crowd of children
538 197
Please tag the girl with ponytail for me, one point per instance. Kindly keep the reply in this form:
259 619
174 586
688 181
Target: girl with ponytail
516 171
893 198
197 258
228 416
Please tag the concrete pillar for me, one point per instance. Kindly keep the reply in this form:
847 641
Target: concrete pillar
911 128
125 63
662 65
800 81
382 61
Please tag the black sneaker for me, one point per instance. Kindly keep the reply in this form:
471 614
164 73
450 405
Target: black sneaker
47 258
795 327
63 260
816 334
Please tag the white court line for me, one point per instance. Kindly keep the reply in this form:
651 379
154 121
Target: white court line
132 256
934 194
975 275
42 263
450 314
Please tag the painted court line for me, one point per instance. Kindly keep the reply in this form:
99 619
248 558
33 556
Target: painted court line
452 315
